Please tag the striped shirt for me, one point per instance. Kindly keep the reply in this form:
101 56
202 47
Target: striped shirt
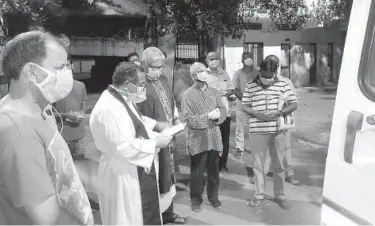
264 99
203 134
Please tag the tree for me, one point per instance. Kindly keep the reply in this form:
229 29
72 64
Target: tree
225 17
331 10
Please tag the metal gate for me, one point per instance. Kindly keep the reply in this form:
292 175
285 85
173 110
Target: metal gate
187 53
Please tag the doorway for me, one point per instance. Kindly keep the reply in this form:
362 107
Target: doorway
313 71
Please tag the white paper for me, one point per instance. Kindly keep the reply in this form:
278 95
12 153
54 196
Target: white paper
171 131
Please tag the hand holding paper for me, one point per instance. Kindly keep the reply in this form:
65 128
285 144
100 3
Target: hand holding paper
171 131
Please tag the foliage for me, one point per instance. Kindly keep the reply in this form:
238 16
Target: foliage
225 17
331 10
36 8
197 18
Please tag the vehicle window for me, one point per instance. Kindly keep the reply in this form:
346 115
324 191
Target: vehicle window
366 73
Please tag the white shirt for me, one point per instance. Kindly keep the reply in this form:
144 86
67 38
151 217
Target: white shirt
122 153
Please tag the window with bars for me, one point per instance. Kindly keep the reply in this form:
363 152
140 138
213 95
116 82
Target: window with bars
82 68
256 50
187 52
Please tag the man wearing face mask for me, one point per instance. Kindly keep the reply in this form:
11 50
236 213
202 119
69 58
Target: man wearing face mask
72 110
128 167
39 183
161 106
203 111
260 100
240 79
220 80
289 172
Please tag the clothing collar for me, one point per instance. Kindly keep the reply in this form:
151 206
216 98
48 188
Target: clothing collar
195 87
148 79
219 71
121 93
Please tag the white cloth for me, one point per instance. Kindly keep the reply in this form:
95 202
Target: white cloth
114 136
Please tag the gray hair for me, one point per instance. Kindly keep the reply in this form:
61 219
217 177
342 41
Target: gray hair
25 47
126 71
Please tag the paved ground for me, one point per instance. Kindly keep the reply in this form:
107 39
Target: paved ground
310 141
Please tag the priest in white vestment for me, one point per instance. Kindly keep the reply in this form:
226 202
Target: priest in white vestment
128 193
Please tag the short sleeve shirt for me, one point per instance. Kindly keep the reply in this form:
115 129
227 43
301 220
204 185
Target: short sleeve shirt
24 176
221 81
240 79
263 99
73 103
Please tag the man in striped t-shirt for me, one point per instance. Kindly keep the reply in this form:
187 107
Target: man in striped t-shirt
260 100
288 159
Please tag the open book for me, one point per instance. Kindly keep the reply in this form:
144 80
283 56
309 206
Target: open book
171 131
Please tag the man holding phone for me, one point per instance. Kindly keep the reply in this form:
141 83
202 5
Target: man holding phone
72 110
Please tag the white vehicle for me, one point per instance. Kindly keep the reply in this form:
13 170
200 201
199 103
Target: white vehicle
349 186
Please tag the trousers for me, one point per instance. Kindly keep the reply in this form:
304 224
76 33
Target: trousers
276 144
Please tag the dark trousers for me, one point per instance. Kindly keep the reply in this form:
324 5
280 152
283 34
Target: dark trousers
225 136
168 214
199 163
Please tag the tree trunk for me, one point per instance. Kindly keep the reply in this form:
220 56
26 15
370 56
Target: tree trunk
167 44
216 44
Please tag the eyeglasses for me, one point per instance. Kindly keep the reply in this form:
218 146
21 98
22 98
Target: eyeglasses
155 68
68 66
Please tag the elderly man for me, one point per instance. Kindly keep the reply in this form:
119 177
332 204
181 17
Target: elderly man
289 172
260 101
161 106
221 81
39 183
128 167
240 79
203 111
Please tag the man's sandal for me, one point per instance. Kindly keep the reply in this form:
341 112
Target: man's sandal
177 219
255 203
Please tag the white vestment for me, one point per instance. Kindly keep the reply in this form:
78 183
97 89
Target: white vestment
122 153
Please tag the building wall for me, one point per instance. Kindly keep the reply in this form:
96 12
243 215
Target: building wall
82 46
301 52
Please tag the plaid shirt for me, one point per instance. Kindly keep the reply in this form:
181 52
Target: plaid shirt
203 134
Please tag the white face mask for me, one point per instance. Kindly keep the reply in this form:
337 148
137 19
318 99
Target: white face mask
154 75
267 81
202 77
138 97
137 62
213 64
248 62
56 86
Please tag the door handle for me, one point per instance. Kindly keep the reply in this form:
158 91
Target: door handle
370 119
353 124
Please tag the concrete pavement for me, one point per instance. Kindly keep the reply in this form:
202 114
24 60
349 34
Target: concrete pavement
309 143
